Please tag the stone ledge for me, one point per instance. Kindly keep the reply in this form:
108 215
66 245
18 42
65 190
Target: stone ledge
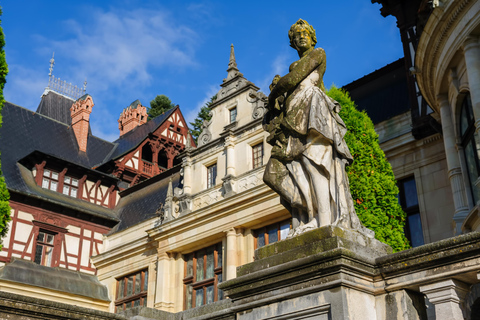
461 247
318 241
328 255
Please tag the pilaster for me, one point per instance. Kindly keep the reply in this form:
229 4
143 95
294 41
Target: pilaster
231 261
471 51
163 293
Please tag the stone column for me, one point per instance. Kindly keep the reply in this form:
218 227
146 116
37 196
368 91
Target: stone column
187 175
447 297
453 163
471 51
229 179
231 261
230 151
163 283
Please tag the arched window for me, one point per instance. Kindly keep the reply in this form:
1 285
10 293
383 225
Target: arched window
147 154
470 143
162 159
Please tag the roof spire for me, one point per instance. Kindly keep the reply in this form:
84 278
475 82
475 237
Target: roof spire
232 64
52 62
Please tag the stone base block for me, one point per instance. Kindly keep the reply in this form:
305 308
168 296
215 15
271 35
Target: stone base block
327 273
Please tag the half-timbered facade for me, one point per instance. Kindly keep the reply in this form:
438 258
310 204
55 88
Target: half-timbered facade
69 189
150 149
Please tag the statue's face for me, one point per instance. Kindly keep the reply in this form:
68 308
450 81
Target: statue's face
302 39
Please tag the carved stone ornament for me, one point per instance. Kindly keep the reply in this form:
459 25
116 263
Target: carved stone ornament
229 186
259 100
206 135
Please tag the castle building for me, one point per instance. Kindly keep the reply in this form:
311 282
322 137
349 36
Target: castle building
151 224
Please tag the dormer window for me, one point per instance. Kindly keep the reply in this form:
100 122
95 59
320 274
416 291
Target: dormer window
50 180
233 115
70 186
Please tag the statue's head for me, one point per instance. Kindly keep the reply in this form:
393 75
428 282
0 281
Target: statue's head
301 25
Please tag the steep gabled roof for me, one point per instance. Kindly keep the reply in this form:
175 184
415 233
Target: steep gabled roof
57 107
24 131
130 140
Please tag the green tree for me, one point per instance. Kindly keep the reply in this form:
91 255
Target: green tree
159 105
203 114
4 195
372 182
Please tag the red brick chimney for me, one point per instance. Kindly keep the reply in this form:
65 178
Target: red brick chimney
133 116
80 112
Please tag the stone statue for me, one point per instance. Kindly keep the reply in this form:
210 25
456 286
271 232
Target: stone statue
309 154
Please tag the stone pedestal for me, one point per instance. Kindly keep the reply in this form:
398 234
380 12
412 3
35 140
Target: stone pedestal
327 273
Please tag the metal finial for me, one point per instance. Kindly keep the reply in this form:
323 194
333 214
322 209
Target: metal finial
85 86
52 62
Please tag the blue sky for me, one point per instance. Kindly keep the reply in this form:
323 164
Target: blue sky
136 49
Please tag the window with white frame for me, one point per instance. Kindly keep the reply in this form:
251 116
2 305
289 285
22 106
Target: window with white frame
50 180
211 175
70 186
44 248
233 115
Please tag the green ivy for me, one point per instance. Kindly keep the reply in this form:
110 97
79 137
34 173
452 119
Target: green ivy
372 182
4 195
203 114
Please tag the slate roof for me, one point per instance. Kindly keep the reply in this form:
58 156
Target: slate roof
383 93
23 132
141 204
57 107
133 138
134 104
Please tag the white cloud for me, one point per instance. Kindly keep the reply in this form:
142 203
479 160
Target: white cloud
118 47
279 66
120 53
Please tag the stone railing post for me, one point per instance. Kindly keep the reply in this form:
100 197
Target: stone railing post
447 297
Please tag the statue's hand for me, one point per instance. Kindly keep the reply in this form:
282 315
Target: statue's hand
274 82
